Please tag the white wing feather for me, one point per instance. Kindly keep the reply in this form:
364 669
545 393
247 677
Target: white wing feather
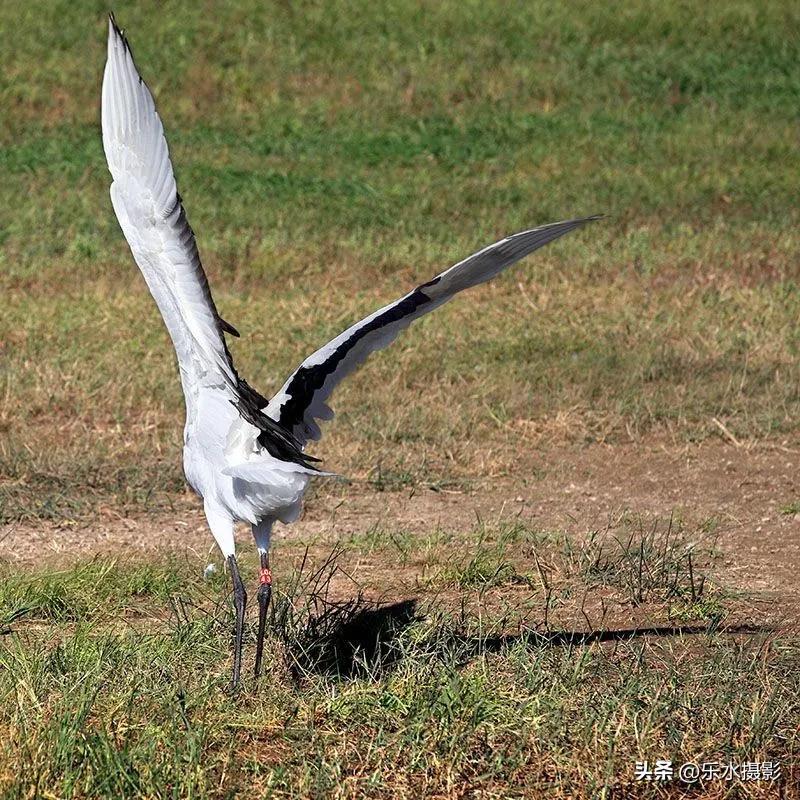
302 400
149 210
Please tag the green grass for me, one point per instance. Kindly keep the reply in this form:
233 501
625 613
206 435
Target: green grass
329 159
364 148
114 684
81 592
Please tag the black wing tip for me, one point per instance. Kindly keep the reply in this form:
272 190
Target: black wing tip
116 28
228 328
120 33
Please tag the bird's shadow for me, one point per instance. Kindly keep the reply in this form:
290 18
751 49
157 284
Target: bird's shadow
357 639
347 640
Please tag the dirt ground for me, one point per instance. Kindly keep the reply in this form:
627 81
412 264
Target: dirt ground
741 493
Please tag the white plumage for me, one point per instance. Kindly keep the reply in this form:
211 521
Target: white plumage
237 479
243 454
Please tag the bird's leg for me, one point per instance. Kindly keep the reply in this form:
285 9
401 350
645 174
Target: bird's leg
239 603
264 595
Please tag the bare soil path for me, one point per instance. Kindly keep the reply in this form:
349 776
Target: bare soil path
743 494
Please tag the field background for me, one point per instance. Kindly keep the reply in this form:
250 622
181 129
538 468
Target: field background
602 443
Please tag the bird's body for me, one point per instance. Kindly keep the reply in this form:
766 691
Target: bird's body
244 455
238 480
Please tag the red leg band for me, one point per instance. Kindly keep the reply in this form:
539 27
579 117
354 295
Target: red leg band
265 576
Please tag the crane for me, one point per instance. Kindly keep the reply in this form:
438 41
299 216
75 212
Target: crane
245 455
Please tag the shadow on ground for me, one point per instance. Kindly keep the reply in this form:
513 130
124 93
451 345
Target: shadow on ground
357 639
347 640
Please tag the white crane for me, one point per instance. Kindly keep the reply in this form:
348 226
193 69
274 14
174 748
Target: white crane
243 454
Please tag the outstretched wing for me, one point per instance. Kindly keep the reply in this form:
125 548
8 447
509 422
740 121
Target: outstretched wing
151 215
302 400
150 212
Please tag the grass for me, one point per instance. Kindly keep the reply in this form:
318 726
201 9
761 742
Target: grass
329 160
114 676
363 150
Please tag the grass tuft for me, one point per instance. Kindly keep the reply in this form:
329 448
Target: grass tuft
387 700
